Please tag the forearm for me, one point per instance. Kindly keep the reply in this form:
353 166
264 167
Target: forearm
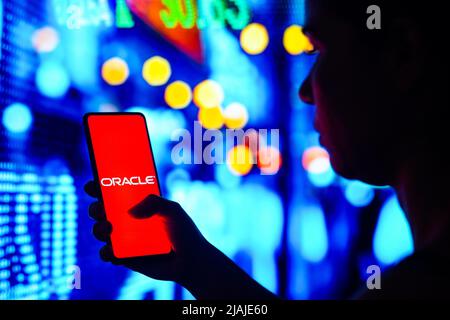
214 276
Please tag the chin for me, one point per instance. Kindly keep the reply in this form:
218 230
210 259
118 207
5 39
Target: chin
361 171
342 169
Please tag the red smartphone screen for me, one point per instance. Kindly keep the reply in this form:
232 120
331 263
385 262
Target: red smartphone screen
123 163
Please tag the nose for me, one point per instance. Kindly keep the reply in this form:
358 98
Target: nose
306 92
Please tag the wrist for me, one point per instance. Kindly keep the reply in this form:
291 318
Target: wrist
196 265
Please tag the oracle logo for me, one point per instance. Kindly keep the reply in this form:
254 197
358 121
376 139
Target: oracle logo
131 181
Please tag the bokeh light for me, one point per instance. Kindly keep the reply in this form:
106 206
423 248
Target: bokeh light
236 116
308 233
316 160
156 71
269 160
225 178
178 95
108 107
45 39
202 201
322 179
254 38
295 42
176 177
208 94
240 160
359 194
115 71
393 239
211 118
17 118
52 79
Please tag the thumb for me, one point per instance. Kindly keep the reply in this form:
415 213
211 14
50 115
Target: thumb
151 205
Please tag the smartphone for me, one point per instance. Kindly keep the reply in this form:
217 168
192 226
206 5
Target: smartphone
124 167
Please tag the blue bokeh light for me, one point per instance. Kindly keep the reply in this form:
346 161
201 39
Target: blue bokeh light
309 233
176 177
225 177
17 118
393 239
323 179
52 80
359 194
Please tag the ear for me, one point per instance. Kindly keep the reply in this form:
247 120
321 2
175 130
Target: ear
406 54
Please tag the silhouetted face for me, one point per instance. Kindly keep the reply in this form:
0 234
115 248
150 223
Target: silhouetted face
353 94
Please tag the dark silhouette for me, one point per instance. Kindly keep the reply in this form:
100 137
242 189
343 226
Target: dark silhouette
380 98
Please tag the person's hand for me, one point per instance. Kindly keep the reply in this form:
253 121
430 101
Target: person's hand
188 244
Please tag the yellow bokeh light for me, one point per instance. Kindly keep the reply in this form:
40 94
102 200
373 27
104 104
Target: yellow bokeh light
45 39
211 118
295 42
156 71
240 160
178 95
236 116
208 94
254 38
115 71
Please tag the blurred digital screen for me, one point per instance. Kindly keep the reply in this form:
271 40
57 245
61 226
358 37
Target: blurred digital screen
287 219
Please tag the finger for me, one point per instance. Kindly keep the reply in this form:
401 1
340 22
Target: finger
102 230
151 205
107 255
97 211
92 189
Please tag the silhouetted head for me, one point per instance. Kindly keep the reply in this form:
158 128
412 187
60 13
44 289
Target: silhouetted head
380 94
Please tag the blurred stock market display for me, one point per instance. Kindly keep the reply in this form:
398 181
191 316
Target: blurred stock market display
283 215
